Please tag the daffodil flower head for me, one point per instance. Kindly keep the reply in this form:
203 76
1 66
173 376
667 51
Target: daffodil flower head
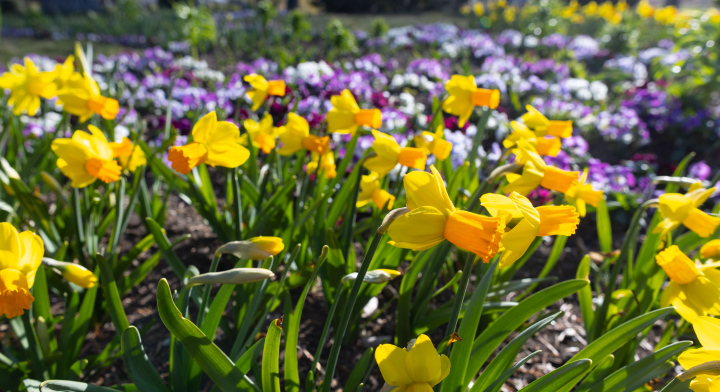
388 154
692 291
64 72
418 368
261 134
583 193
434 143
707 330
680 209
295 136
81 97
261 88
710 250
370 190
131 157
432 218
28 85
256 248
20 256
465 95
86 157
346 116
216 143
537 122
531 222
322 164
645 10
549 146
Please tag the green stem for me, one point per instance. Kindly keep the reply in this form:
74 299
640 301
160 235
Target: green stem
477 140
460 296
347 312
238 222
117 230
204 306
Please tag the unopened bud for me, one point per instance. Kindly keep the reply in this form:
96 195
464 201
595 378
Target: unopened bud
390 218
74 273
374 276
233 276
258 248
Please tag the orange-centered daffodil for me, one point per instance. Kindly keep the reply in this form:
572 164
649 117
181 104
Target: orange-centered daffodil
324 163
388 154
216 143
295 136
370 191
20 256
549 146
464 96
81 97
434 143
533 222
680 209
707 330
346 116
130 156
417 369
544 127
261 134
432 218
261 88
86 157
583 193
537 173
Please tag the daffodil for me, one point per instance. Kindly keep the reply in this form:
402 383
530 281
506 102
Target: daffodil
590 8
478 9
531 222
537 173
20 256
434 143
464 96
130 156
707 330
432 218
72 272
680 209
295 136
711 250
324 163
549 146
370 191
415 369
81 97
64 72
216 143
27 85
539 124
582 194
346 116
256 248
261 88
86 157
645 10
666 15
388 154
262 134
692 291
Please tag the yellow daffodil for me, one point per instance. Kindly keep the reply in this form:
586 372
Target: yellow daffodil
549 146
20 256
256 248
478 9
539 124
537 173
590 8
81 97
645 10
464 96
131 157
86 157
533 222
509 13
389 154
713 14
707 330
621 6
711 250
262 134
27 85
72 272
680 209
570 9
64 72
692 291
295 136
322 164
261 88
434 143
370 191
346 116
432 218
666 15
417 369
216 143
583 193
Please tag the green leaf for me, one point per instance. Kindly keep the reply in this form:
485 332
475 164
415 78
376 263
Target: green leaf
166 247
211 359
604 228
64 386
355 378
137 365
498 383
677 386
598 373
585 294
271 358
112 296
560 377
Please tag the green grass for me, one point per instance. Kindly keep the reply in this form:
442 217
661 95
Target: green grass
18 47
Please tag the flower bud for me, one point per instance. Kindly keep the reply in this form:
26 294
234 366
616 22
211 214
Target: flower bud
74 273
257 248
390 218
233 276
711 250
374 276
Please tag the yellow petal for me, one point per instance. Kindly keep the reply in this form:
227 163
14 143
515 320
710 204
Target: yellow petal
704 294
79 275
516 242
530 179
711 249
494 203
419 229
708 332
32 252
701 223
692 358
204 127
422 362
391 361
9 246
427 189
675 206
475 233
557 220
272 245
412 157
444 370
418 387
677 265
698 196
293 134
526 208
